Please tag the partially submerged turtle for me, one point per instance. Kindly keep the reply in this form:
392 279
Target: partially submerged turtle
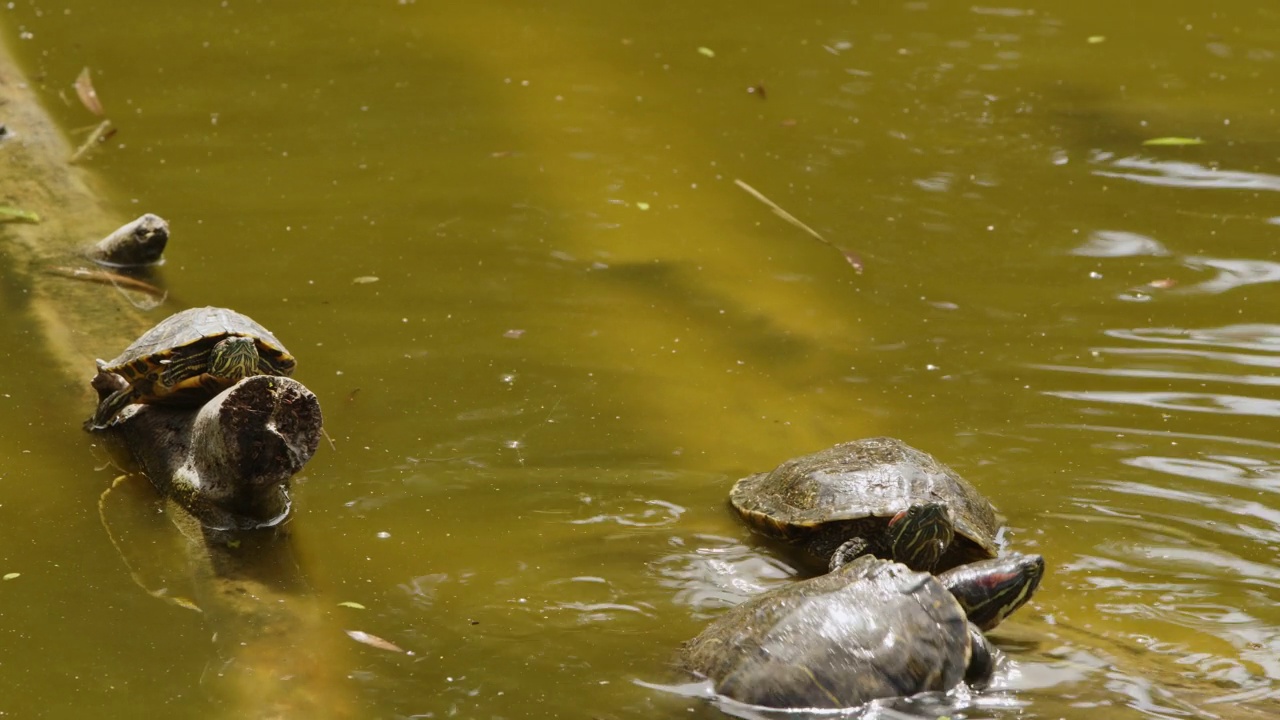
878 496
190 357
871 629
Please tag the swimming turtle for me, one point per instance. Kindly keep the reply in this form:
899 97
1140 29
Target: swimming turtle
190 357
870 629
878 496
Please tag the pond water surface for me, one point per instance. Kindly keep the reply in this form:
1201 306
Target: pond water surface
582 330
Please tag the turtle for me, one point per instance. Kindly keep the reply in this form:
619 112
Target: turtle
878 496
871 629
188 358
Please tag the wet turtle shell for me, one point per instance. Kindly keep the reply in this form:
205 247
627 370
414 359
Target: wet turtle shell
170 363
872 629
855 489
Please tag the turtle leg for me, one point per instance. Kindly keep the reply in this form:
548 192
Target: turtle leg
110 406
180 368
982 659
849 550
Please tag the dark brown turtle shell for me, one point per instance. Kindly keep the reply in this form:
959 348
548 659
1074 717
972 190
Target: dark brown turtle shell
854 489
189 329
871 629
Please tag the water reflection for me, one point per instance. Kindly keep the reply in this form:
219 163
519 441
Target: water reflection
1183 174
1186 527
711 573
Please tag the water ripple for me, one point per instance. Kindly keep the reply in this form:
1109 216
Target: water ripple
1167 173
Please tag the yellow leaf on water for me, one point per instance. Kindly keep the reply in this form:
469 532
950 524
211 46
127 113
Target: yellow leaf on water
8 213
708 52
1173 141
1095 39
365 280
10 576
350 604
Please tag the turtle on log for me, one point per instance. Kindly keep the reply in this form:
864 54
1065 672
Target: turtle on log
188 358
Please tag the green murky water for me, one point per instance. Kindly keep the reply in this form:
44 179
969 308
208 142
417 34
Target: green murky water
583 331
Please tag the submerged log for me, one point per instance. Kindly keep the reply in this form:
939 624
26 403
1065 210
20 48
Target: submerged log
282 656
138 243
224 469
228 462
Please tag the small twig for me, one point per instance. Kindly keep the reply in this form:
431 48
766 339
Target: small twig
120 282
850 256
100 133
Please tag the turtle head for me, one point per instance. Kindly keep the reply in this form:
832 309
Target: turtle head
234 358
989 590
919 535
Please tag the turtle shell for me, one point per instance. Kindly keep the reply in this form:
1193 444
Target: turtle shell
871 629
854 489
192 331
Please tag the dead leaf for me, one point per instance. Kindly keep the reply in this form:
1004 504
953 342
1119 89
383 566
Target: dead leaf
88 96
375 641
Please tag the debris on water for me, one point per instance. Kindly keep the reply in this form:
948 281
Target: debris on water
350 604
88 96
1095 39
106 277
642 205
12 576
8 213
851 257
706 52
97 136
375 641
1163 283
513 333
364 280
757 89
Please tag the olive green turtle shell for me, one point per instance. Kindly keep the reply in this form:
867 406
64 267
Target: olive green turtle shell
854 489
195 329
871 629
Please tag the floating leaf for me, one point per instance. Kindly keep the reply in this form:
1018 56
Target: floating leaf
365 280
642 205
375 641
706 51
88 96
1095 39
1173 141
348 603
8 213
11 576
